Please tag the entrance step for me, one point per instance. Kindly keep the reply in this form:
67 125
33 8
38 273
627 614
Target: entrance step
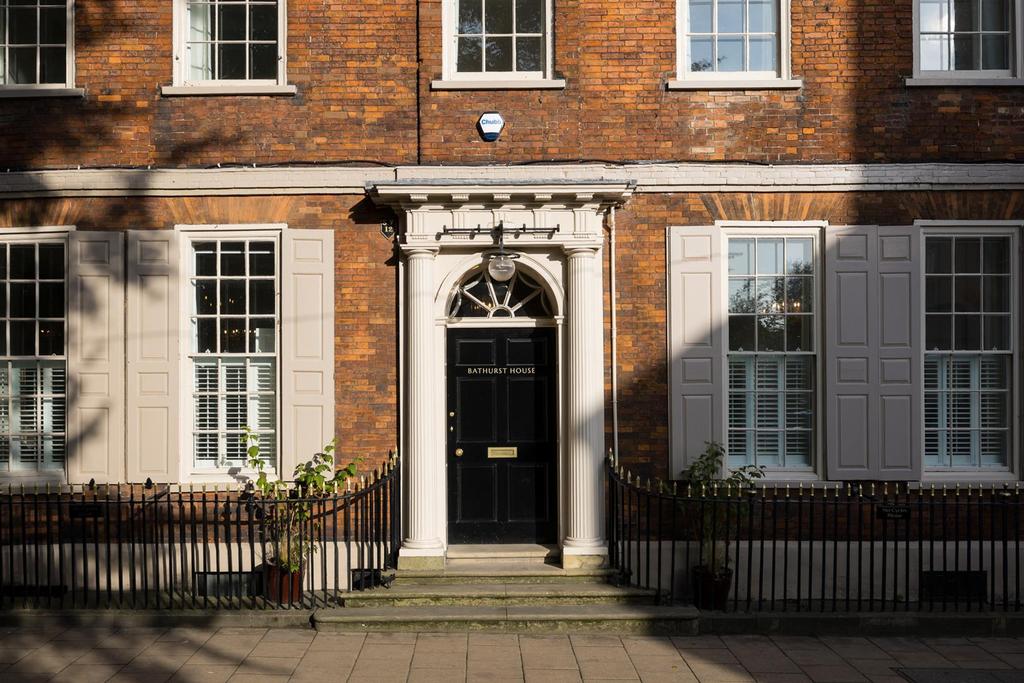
520 552
646 619
505 594
493 572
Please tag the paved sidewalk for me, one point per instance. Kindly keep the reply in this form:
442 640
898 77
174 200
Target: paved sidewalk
152 655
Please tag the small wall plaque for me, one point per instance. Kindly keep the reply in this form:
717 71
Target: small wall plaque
503 452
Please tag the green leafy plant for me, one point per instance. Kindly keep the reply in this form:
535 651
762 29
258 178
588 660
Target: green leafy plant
707 477
288 524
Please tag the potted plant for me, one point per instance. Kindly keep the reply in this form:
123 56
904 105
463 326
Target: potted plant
712 578
287 520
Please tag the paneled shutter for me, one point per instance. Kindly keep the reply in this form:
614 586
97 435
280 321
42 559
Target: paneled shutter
307 345
851 334
95 357
899 315
696 318
154 333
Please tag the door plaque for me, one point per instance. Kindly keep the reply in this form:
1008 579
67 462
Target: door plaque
503 452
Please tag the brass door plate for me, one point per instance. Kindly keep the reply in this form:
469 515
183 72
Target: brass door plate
503 452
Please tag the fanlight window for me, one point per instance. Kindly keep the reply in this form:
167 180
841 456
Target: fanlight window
481 296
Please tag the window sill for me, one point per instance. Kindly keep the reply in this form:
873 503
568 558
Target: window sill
737 84
962 81
8 92
498 84
967 477
226 90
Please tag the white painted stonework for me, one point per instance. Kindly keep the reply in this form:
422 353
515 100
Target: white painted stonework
567 263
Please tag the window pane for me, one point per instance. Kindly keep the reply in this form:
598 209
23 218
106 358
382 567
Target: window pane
934 15
965 15
741 295
231 20
528 54
935 53
762 16
966 52
206 258
201 66
263 22
968 255
261 297
997 333
23 337
741 333
799 294
232 61
261 335
206 297
938 255
51 261
771 333
499 54
730 16
700 16
938 294
52 65
23 299
51 299
21 65
799 333
762 53
799 412
232 335
730 54
701 57
997 294
52 25
995 15
51 338
741 257
498 18
21 26
261 258
471 16
530 16
232 258
995 52
997 254
263 62
232 296
206 335
769 256
201 22
966 333
994 372
967 293
938 332
770 295
470 54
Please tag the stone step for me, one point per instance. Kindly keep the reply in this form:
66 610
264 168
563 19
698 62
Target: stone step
649 619
520 552
493 572
503 594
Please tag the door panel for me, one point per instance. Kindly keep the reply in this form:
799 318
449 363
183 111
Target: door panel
502 444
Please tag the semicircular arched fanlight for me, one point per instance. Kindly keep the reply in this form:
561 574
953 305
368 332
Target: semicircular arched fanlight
480 296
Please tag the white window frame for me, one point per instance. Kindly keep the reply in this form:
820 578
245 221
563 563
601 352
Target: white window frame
1011 229
200 233
1013 76
452 78
67 88
46 235
182 85
734 80
769 229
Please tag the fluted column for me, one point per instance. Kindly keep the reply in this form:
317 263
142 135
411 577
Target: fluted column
422 546
584 542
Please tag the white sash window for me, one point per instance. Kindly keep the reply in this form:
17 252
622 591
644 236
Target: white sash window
35 43
234 349
33 360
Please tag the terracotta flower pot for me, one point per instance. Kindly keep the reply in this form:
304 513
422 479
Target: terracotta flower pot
282 586
711 588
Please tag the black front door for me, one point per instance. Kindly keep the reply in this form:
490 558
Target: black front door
502 436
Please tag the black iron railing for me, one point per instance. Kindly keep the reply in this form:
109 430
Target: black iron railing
183 547
837 547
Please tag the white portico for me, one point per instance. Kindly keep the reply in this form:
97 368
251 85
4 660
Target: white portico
447 234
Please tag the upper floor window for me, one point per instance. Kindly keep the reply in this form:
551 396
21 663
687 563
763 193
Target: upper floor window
225 41
969 351
234 354
33 360
967 37
35 43
498 39
733 40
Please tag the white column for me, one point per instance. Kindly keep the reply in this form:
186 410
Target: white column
584 542
422 547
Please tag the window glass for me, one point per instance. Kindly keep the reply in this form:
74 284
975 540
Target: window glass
968 352
965 35
733 35
771 360
33 365
232 40
501 36
234 324
33 42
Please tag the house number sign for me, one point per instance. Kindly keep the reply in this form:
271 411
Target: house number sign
501 371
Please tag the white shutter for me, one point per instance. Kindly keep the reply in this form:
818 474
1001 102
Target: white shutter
95 356
307 345
850 341
696 318
154 328
899 386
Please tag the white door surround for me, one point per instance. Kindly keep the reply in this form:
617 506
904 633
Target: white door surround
567 262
